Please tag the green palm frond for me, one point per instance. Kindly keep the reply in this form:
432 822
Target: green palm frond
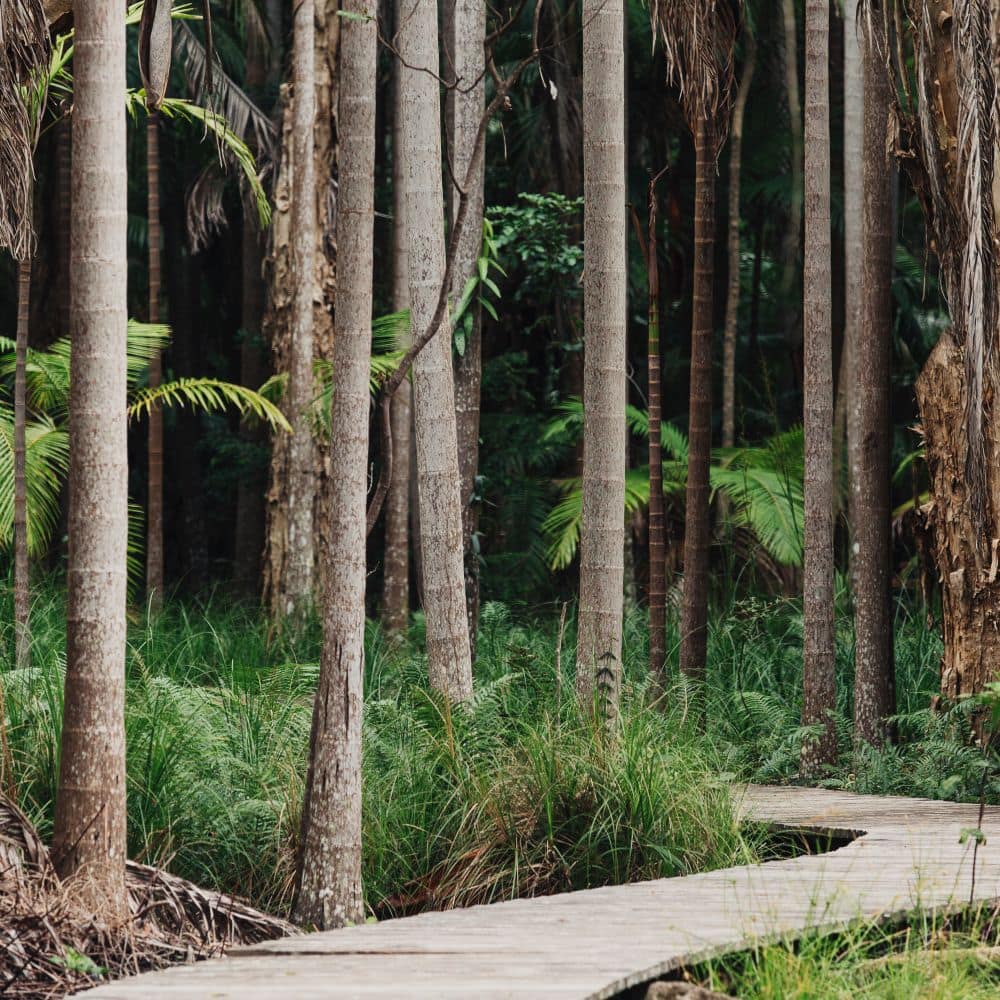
46 467
135 561
209 395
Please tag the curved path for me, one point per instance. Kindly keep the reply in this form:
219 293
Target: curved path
595 943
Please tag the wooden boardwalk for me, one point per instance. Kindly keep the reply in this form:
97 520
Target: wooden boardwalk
595 943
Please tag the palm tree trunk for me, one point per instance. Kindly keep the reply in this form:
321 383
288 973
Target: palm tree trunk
89 833
448 653
396 568
466 101
599 633
329 877
819 699
296 584
874 683
154 512
22 577
733 286
657 543
697 516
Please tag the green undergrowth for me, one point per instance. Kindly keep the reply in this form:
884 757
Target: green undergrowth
932 957
513 795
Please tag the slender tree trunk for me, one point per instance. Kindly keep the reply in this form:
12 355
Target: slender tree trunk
792 243
329 881
396 570
733 286
448 653
283 292
63 132
874 683
657 545
22 575
250 513
89 836
819 699
296 585
854 155
154 509
599 633
697 516
466 102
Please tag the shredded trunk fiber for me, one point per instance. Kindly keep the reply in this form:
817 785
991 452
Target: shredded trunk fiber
52 946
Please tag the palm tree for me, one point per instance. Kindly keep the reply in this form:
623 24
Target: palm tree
818 692
733 255
599 632
396 565
699 37
448 653
329 874
22 571
874 684
296 583
89 832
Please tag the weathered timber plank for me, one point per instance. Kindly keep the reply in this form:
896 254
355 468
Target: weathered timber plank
594 943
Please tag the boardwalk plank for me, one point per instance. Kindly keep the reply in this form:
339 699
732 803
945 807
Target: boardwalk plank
594 943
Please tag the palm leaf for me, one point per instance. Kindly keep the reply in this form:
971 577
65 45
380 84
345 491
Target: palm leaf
46 466
210 395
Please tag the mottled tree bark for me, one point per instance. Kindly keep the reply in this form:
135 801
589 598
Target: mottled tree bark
329 877
464 47
280 270
396 567
874 683
697 516
154 504
448 653
22 574
599 632
819 699
89 835
733 278
296 585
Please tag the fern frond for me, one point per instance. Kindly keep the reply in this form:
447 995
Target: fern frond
210 395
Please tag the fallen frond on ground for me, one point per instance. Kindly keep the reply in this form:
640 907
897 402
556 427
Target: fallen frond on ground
50 945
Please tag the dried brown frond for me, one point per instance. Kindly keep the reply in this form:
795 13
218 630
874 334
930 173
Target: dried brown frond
24 49
699 42
50 945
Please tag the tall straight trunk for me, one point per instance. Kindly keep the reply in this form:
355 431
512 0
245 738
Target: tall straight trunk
657 540
63 131
854 154
22 576
733 285
791 251
449 656
329 877
154 507
818 661
249 528
874 682
467 30
697 516
284 299
296 585
396 567
599 632
89 836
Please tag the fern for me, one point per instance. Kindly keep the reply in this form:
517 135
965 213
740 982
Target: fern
209 395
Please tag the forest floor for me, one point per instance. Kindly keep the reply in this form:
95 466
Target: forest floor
514 796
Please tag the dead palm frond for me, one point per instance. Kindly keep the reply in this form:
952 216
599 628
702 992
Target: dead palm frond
24 47
699 42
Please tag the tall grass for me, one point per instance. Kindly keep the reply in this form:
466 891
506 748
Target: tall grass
515 794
